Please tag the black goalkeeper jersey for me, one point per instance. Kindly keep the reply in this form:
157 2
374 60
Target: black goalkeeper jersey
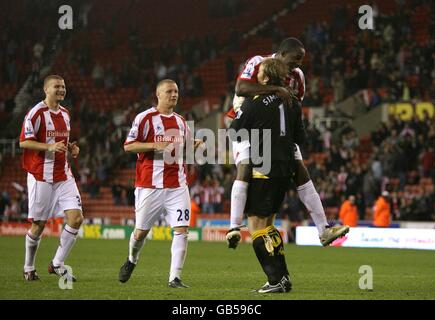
286 128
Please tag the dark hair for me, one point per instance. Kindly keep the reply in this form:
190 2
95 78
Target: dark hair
289 45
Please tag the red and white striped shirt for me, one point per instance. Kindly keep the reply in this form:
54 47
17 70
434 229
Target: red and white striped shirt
151 170
44 125
295 80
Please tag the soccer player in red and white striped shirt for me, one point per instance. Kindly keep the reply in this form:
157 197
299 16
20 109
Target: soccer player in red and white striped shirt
50 183
291 51
161 185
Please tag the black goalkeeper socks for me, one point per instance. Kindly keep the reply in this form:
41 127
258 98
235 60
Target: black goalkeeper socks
269 248
279 251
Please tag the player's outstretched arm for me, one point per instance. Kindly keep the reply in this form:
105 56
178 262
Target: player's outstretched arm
247 88
41 146
139 147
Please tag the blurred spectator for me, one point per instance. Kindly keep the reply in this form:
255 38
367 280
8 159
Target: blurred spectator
382 211
361 206
4 204
348 212
195 192
13 210
292 211
84 10
38 50
207 196
195 211
129 193
227 184
109 79
337 84
218 192
369 188
117 192
376 168
98 75
93 186
427 161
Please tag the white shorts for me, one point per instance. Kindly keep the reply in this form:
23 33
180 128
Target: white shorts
298 154
48 200
241 151
173 203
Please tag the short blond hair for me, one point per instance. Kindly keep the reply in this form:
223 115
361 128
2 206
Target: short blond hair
52 77
164 81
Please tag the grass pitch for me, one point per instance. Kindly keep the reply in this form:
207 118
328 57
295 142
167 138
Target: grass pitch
214 272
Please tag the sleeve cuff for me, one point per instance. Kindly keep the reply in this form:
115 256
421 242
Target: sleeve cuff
246 79
30 138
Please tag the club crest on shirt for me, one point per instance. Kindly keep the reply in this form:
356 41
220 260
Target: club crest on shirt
249 70
133 134
28 128
28 132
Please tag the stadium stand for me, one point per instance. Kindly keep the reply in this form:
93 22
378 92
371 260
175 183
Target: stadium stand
119 52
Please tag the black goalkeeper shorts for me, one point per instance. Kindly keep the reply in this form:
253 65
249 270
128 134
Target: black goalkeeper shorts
265 196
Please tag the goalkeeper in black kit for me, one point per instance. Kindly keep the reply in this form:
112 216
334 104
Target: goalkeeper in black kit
280 127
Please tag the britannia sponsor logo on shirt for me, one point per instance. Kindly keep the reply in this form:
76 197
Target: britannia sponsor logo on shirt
58 133
161 138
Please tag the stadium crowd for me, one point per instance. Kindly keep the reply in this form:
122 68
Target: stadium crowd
388 61
336 67
401 156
